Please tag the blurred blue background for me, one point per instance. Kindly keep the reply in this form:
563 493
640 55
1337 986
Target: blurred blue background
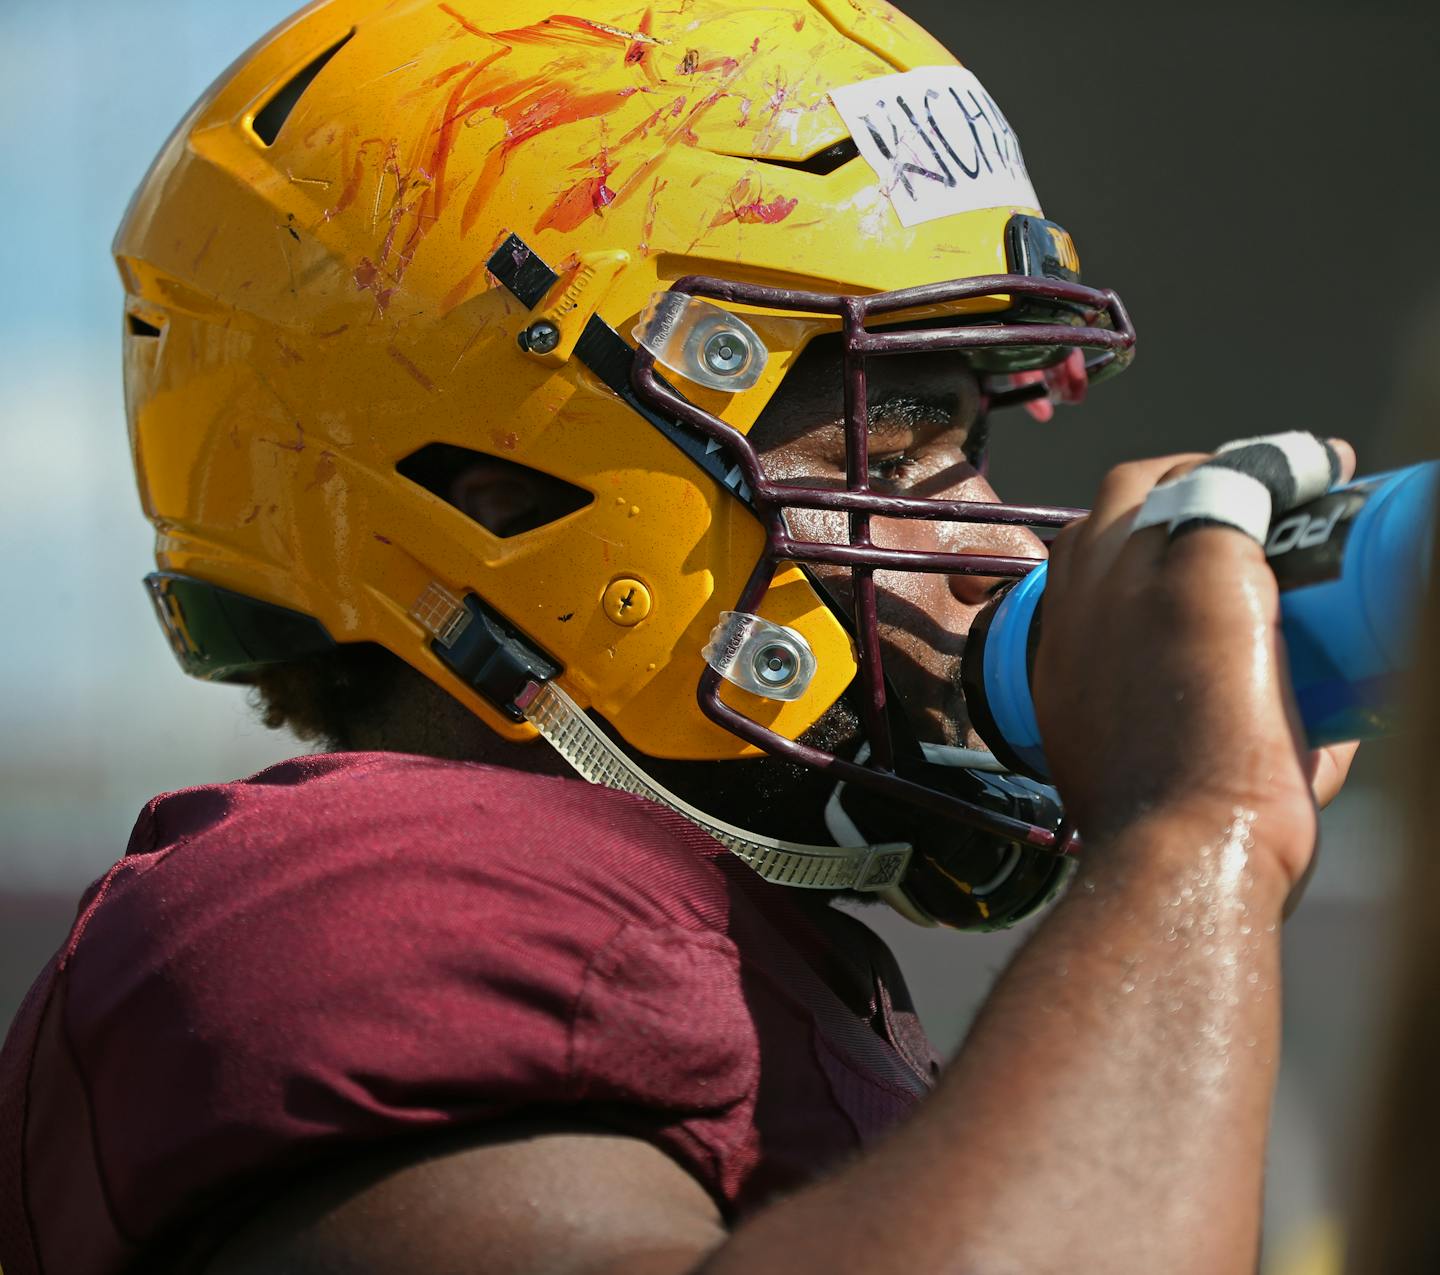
1259 190
93 716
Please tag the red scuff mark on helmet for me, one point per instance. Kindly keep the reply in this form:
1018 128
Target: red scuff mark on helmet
204 248
753 211
638 54
464 22
528 109
450 123
682 133
743 121
526 115
353 179
410 190
693 64
297 446
800 23
420 378
551 107
384 540
686 132
564 28
642 129
287 353
461 290
419 189
324 126
652 209
324 471
776 210
370 278
582 201
442 78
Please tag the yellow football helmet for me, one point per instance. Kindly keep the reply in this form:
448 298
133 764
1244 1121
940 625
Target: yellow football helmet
591 244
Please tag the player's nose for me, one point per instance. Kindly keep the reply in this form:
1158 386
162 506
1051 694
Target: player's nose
999 540
976 539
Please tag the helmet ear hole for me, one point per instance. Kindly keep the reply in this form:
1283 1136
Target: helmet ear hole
503 496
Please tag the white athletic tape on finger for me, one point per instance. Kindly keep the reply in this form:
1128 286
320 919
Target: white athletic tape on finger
1309 460
1209 494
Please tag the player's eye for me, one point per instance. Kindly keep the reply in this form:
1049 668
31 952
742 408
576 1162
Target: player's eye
892 468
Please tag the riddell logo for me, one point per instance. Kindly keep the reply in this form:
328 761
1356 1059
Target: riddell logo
734 640
1302 531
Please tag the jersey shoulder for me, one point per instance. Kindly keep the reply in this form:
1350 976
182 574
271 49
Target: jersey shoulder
343 950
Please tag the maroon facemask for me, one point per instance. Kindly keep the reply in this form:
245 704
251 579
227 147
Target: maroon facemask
1049 317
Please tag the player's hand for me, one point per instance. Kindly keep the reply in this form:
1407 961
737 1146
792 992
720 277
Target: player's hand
1161 683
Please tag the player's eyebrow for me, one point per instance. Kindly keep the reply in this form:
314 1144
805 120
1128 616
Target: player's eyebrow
908 409
894 414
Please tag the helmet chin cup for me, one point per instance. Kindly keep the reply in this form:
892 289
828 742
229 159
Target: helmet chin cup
957 875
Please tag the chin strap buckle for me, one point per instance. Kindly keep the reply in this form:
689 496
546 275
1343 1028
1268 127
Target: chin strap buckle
481 648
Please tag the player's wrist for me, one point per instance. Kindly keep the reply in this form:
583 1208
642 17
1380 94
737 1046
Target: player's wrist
1266 847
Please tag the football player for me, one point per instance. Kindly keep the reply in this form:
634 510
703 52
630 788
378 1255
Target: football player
522 394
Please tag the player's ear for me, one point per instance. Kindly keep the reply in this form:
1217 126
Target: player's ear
503 496
503 499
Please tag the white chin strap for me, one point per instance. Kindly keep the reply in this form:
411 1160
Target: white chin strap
598 760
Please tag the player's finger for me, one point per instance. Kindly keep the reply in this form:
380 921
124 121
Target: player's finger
1243 485
1240 488
1124 490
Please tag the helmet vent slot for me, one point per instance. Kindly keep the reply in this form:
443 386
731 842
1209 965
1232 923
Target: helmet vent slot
821 163
503 496
137 326
271 117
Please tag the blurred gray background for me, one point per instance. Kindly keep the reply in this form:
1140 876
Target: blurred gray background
1257 181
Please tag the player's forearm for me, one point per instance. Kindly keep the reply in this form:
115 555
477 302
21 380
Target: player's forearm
1108 1111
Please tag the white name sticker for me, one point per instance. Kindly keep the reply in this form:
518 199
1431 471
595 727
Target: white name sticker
937 141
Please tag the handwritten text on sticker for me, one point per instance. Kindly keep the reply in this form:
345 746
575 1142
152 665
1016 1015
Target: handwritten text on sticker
937 141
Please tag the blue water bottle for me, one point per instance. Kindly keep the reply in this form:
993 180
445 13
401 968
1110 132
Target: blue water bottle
1353 566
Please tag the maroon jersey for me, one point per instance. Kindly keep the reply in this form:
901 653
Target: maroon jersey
350 949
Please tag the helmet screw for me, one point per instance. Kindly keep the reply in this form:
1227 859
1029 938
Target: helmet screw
775 664
540 337
725 353
626 602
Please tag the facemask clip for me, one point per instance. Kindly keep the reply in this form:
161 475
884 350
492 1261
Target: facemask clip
702 342
763 658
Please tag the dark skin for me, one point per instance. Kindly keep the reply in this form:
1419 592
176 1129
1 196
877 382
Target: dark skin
1108 1110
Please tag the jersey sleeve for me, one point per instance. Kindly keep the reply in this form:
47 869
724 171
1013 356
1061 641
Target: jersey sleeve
260 987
